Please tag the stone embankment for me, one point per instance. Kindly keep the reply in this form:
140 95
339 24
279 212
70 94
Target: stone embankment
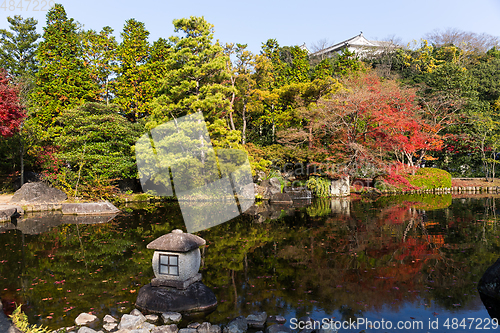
451 190
168 322
38 197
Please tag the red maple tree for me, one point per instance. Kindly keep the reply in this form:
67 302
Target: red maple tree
372 119
11 111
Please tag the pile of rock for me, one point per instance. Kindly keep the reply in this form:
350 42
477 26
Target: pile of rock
136 322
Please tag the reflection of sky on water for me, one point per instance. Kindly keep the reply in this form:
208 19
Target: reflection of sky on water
411 312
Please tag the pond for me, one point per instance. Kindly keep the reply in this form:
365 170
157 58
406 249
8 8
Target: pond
409 259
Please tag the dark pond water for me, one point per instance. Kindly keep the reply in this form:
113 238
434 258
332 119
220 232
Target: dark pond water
414 259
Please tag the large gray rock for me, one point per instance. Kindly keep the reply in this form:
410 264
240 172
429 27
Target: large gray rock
86 319
39 192
89 208
237 325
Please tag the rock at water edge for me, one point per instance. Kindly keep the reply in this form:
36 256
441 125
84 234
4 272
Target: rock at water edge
171 317
237 325
257 320
38 192
130 322
86 319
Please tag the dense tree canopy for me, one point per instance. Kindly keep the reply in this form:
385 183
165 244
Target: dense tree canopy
62 81
434 102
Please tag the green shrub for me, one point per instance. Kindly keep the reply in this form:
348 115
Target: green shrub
430 178
320 187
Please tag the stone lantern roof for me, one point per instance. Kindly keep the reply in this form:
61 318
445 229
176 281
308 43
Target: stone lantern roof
176 241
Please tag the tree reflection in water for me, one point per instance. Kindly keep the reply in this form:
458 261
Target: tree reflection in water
391 258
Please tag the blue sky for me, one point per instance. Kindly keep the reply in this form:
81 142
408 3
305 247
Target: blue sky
290 22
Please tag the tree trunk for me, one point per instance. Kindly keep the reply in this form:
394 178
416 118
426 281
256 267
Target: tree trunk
21 153
244 130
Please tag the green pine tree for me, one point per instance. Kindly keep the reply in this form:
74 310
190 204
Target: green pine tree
195 76
62 81
99 55
132 86
18 46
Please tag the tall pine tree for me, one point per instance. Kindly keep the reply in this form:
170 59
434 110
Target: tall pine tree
62 81
99 55
131 87
18 46
196 72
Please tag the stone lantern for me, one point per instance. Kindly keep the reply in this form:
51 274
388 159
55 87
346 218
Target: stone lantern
177 284
177 259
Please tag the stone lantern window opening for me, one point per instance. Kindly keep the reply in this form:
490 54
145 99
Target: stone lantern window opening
169 264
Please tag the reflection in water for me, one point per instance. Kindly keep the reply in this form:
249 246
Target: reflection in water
409 257
35 224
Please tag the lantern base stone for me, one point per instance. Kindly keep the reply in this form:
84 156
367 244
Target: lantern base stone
196 298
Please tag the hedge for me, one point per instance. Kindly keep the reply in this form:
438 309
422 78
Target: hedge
430 178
